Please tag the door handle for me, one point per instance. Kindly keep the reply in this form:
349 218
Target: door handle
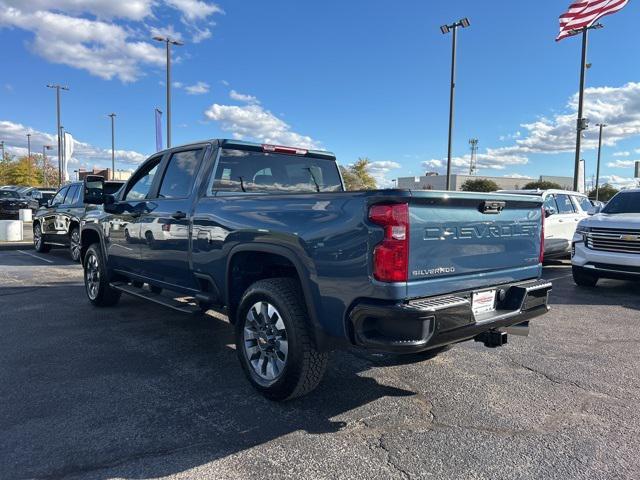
179 215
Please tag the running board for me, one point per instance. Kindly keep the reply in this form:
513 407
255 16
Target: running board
184 304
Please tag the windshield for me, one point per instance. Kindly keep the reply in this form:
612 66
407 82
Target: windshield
249 171
8 194
624 202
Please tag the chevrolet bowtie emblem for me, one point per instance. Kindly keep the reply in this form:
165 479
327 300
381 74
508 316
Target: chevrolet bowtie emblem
630 238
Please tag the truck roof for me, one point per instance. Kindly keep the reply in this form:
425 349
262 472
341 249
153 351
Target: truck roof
231 143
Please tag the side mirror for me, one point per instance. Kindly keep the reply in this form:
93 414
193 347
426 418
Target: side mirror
94 189
548 212
110 203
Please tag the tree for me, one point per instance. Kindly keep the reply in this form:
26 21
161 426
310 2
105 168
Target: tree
542 186
357 176
16 171
479 185
606 192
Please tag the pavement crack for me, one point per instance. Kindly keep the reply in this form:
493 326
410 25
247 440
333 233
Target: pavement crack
390 459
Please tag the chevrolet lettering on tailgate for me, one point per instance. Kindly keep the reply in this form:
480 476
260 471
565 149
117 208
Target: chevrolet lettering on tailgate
481 230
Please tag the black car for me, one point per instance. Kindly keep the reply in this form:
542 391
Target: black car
57 224
11 202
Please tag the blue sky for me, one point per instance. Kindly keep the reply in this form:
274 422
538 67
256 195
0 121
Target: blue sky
360 78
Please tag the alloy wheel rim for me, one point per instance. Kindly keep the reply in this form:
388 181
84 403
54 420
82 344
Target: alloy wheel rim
92 276
37 237
75 245
265 341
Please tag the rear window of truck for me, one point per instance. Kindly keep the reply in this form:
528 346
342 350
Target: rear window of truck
248 171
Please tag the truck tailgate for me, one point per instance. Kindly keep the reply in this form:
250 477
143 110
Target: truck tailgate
458 238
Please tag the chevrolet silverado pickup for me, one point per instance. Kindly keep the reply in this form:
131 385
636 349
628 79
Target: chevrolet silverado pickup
302 267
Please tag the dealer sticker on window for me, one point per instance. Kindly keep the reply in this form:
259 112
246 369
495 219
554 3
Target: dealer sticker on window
482 302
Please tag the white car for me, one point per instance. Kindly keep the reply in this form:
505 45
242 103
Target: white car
563 210
607 245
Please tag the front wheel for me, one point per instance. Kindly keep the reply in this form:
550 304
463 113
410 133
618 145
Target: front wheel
38 240
582 278
96 281
74 244
273 340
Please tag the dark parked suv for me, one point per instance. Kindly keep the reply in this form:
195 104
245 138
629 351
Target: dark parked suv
11 202
58 223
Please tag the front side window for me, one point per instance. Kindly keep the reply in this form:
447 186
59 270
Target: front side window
144 179
180 174
624 202
59 198
248 171
564 204
71 193
550 205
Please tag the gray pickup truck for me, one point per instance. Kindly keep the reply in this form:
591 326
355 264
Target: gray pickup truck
303 267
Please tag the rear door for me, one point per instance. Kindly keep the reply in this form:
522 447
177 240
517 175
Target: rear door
568 220
64 213
165 231
553 227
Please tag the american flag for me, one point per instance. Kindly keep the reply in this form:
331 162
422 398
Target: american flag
585 13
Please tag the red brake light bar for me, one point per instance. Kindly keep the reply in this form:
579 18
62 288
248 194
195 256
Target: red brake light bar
281 149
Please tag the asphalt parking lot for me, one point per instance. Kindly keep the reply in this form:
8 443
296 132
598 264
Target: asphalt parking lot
138 391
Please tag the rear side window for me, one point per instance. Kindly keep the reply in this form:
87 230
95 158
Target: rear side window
180 174
73 200
582 202
71 192
564 204
59 198
247 171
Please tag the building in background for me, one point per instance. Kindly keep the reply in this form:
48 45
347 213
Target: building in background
432 181
107 173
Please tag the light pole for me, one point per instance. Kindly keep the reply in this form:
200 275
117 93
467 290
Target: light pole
168 41
61 156
44 164
2 162
58 88
601 125
582 122
29 154
464 23
113 143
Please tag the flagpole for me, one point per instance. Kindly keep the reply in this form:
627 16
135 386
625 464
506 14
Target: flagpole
580 126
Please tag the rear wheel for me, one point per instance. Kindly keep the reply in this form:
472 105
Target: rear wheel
96 280
583 278
38 241
273 342
74 244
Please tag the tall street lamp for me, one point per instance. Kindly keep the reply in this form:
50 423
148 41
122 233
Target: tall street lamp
58 88
113 144
29 155
168 41
601 125
44 164
582 123
464 23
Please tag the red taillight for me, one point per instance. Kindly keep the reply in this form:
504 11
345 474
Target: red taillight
391 256
281 149
544 214
166 227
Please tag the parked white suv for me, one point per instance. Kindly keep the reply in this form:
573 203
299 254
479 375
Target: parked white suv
563 210
607 245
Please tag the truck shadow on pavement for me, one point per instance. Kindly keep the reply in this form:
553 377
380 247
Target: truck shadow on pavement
138 391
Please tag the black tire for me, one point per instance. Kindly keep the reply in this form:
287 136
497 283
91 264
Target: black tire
582 278
74 244
96 280
137 283
38 241
303 365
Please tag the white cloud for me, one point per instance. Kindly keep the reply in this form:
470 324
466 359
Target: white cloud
517 175
379 171
493 159
241 97
198 88
15 137
622 164
254 122
63 34
620 182
622 154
